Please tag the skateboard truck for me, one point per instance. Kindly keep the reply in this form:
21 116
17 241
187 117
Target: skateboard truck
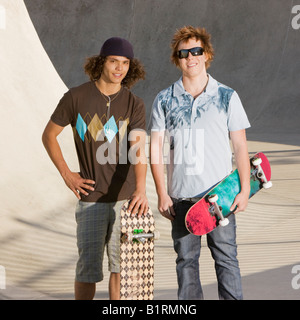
140 236
218 210
256 162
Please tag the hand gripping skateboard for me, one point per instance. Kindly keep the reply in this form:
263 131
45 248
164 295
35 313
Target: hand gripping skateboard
214 208
137 255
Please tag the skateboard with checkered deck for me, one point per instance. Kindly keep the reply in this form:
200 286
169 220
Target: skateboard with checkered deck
137 255
214 207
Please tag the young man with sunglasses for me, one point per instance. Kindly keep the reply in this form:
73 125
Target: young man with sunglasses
198 114
103 114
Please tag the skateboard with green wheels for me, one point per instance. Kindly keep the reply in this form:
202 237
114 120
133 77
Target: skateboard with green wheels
214 208
137 255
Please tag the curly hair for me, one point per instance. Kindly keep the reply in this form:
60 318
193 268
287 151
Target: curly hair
94 66
186 33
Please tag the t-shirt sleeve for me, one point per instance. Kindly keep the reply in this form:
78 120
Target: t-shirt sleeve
157 120
237 117
63 114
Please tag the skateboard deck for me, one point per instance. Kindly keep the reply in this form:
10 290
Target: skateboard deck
214 207
137 255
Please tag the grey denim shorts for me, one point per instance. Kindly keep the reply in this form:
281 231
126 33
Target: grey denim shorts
98 226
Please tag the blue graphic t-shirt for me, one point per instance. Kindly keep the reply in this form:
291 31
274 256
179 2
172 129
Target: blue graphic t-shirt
198 135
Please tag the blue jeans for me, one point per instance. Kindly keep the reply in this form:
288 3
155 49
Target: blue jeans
222 245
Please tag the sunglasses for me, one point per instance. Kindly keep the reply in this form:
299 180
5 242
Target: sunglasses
184 53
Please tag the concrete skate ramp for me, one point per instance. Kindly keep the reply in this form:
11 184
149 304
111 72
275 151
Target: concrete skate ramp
257 50
30 87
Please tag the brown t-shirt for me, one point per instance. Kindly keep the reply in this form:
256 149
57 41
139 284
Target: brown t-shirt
98 150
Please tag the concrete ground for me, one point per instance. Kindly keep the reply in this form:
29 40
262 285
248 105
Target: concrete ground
39 253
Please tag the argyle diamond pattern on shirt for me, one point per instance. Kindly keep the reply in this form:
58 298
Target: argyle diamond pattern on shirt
96 126
81 127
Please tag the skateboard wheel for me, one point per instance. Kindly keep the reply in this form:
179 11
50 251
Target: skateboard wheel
129 237
256 161
213 198
224 223
156 235
267 185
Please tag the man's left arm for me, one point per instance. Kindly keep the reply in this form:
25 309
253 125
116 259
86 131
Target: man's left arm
240 149
137 156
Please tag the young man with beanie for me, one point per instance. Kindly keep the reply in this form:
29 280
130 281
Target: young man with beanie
108 122
198 114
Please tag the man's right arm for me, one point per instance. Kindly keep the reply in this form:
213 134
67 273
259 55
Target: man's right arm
165 203
72 179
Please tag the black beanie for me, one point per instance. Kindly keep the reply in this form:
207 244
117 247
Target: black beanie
117 47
